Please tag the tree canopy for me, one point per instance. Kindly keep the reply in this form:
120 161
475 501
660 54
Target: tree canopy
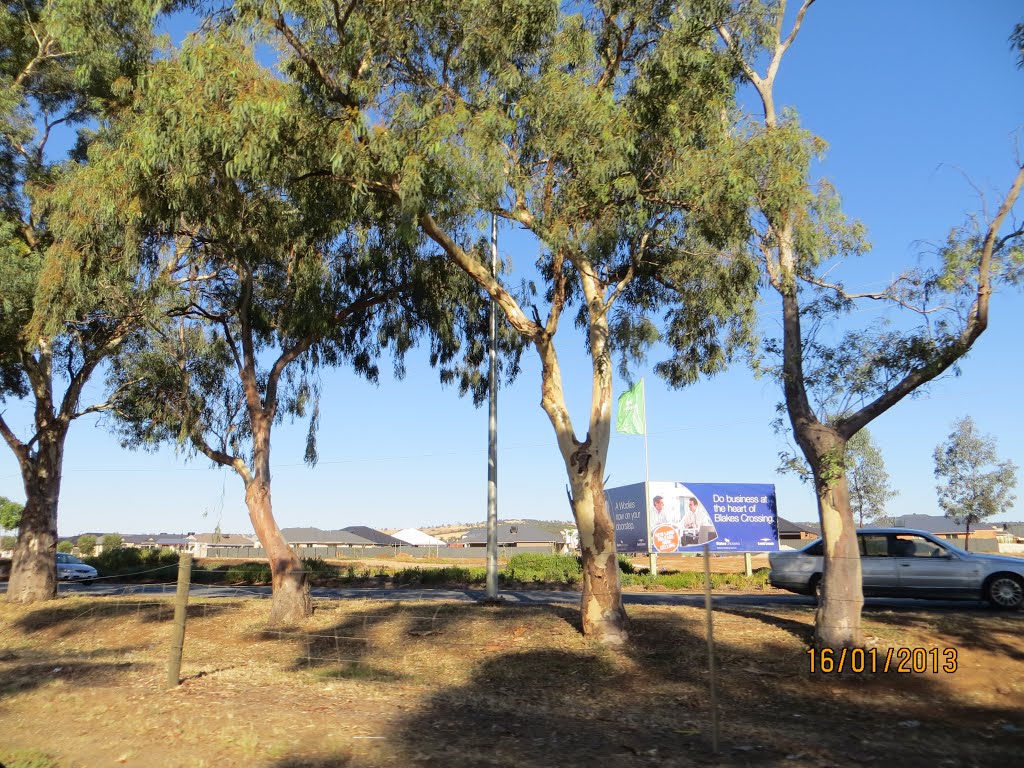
69 257
602 129
973 483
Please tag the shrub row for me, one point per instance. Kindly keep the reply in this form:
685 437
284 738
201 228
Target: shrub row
528 568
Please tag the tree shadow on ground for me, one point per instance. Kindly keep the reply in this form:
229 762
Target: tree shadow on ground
650 705
76 616
776 617
962 631
16 678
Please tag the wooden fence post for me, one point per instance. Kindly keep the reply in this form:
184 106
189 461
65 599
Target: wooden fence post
180 614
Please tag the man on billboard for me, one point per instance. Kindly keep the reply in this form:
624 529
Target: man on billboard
696 525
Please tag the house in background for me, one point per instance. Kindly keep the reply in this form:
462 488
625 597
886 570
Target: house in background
796 535
378 538
141 540
199 544
308 538
517 535
984 537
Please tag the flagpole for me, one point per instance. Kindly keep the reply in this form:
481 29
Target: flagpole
647 482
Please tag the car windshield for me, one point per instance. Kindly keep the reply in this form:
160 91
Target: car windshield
63 557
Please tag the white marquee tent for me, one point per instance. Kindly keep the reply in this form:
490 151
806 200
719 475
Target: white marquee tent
418 538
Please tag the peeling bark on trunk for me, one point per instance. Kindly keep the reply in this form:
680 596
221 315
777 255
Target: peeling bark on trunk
34 565
290 603
602 615
837 624
838 619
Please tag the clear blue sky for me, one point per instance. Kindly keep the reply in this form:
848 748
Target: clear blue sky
919 103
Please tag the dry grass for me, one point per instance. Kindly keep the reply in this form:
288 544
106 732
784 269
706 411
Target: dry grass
368 684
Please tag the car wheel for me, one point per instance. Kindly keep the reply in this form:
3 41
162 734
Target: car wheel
1005 591
815 586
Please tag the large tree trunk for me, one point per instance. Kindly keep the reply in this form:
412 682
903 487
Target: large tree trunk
34 566
837 624
602 615
291 602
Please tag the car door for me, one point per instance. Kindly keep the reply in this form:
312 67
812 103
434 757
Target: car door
928 569
877 568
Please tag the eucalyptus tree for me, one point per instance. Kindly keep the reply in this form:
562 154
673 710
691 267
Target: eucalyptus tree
10 514
599 128
274 274
868 479
866 372
69 288
973 483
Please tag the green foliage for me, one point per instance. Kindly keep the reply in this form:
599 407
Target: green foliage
546 568
71 250
248 573
974 483
449 575
317 570
112 541
694 580
10 514
598 129
62 546
152 565
28 758
1017 43
86 544
868 480
626 564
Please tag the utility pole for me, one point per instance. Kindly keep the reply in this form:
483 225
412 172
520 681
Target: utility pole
492 437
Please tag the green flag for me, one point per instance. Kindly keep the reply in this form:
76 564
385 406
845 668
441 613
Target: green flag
631 420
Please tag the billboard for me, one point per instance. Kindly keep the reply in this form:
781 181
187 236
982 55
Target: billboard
630 517
683 517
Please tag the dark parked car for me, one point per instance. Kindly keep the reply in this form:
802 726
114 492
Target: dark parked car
902 562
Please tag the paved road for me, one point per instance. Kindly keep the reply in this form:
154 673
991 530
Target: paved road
527 597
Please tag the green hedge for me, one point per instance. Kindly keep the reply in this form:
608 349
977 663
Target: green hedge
550 569
147 564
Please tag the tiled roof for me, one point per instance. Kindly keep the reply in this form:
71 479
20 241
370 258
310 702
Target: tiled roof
377 537
786 526
224 539
512 533
317 536
941 524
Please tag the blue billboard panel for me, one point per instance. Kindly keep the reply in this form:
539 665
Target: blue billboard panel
627 508
728 517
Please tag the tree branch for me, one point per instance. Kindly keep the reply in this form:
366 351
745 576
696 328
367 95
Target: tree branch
947 355
482 276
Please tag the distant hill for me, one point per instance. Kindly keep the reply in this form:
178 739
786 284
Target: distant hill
455 530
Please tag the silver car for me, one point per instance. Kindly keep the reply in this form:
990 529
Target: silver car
902 562
70 568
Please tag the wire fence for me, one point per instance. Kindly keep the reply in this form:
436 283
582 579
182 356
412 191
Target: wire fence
348 646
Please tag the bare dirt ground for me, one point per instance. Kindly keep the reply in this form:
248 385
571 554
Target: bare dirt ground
365 684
